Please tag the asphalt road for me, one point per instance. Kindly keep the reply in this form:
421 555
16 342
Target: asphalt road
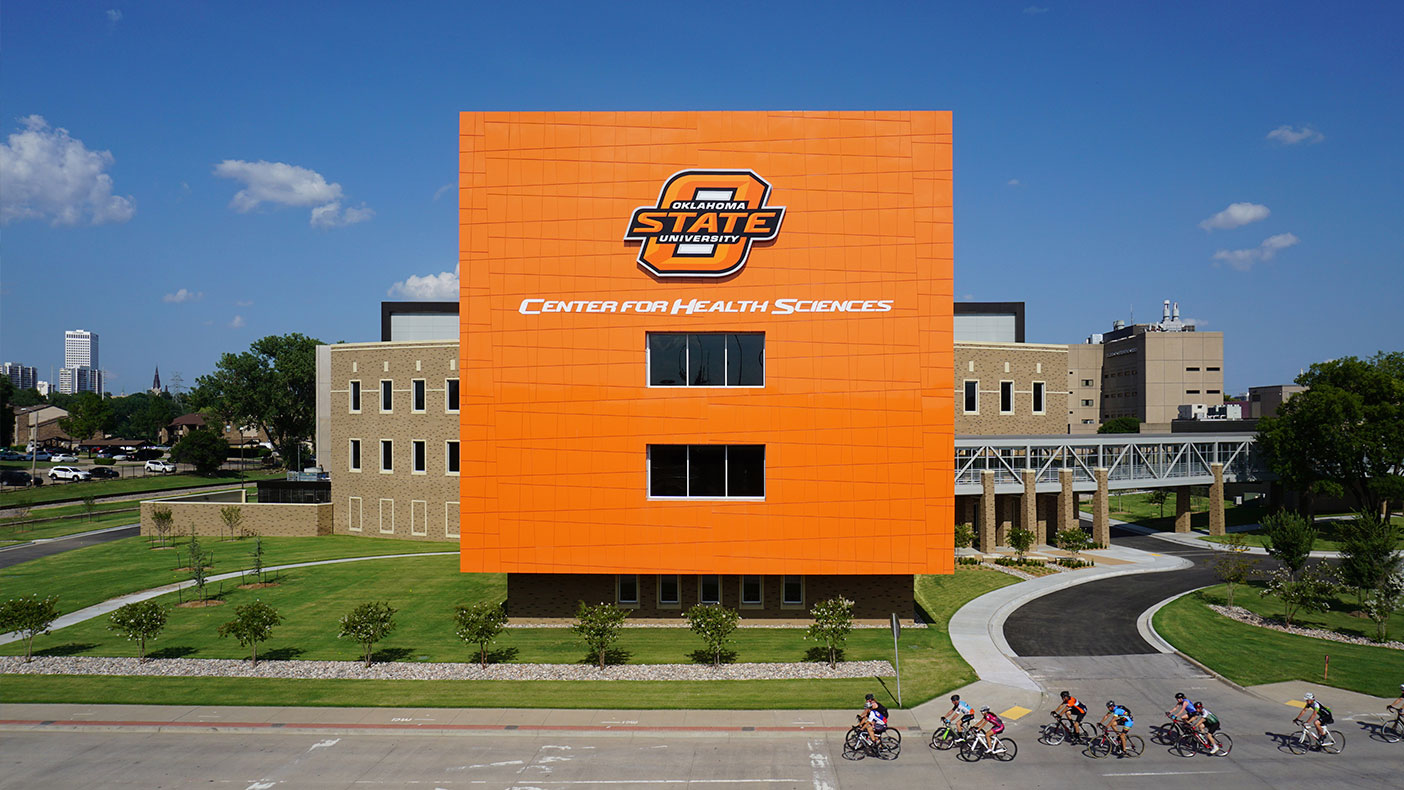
33 551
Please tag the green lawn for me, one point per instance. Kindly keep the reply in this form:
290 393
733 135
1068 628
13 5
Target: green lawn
1250 655
1329 533
1137 509
91 575
425 591
70 525
69 492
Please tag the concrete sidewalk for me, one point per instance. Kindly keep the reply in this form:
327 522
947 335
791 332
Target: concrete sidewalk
1197 539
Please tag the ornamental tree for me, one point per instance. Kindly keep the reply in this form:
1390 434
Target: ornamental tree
1289 539
1233 564
252 623
28 617
139 622
479 624
715 624
833 621
367 624
1021 540
598 627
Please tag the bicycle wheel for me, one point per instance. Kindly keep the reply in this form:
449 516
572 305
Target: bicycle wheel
1100 746
1225 744
1297 743
1164 735
1186 746
1335 745
890 745
968 751
1053 734
943 739
1135 745
1084 733
1010 749
1394 731
851 746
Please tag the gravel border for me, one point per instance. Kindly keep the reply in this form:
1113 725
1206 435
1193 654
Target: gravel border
1247 617
355 670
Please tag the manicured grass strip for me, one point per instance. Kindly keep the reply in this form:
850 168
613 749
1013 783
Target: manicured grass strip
1137 509
1249 655
1329 535
1337 618
71 492
622 694
94 574
67 526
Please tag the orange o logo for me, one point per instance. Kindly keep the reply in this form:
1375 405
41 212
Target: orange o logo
704 223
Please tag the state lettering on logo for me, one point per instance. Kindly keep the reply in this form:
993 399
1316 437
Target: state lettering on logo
704 223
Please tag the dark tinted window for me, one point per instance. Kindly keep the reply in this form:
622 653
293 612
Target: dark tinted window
387 455
972 397
418 395
706 470
710 589
745 360
706 360
385 396
794 590
451 393
355 396
668 470
1006 396
453 456
745 470
751 589
628 588
1038 396
667 360
667 589
355 454
418 456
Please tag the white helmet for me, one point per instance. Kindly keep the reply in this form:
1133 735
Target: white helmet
1308 696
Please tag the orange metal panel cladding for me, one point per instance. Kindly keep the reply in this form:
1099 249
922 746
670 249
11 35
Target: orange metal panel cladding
856 409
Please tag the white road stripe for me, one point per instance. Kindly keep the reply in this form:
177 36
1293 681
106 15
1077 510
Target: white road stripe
653 782
1167 773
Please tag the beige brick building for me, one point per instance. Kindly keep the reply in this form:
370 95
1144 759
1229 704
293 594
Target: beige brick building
1084 387
1006 389
387 434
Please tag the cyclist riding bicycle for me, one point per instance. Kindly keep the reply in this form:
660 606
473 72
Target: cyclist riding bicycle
1184 709
1121 722
960 713
1206 723
1316 713
1070 708
995 726
1397 706
873 718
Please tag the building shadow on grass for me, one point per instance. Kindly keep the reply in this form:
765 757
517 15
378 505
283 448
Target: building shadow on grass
389 654
70 649
281 654
171 652
705 656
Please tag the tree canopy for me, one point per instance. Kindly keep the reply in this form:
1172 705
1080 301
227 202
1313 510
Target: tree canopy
273 385
88 415
1120 425
1345 433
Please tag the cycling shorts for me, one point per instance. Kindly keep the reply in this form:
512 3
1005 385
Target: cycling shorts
1126 722
997 729
1211 726
1325 717
1076 715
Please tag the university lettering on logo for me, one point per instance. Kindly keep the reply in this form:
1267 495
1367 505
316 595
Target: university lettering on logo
704 223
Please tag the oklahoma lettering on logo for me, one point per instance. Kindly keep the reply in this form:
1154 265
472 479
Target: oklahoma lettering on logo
704 223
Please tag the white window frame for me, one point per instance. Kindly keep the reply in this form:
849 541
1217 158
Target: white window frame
386 444
419 526
726 350
726 470
1040 393
355 514
741 591
447 410
452 472
716 576
677 585
784 604
382 395
418 387
1003 410
354 384
419 449
963 386
449 509
383 530
354 456
618 595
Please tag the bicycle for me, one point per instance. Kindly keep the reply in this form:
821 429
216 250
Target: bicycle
1106 742
1392 731
974 748
1196 741
1064 729
887 746
947 736
1308 740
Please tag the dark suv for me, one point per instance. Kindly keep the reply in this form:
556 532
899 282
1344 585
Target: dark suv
18 478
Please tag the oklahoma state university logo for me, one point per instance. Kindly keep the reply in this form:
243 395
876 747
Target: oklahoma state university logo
704 223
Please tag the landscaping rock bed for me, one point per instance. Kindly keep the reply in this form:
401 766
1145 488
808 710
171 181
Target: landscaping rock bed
1252 618
355 670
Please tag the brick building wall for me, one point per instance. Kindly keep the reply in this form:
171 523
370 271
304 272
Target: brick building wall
269 520
1025 366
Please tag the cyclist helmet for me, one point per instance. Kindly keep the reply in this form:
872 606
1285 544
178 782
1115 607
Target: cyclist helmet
1308 696
869 696
1179 695
1065 694
984 708
955 698
1111 704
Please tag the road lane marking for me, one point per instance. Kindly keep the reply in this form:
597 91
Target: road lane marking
1167 773
325 744
653 782
1295 703
1015 713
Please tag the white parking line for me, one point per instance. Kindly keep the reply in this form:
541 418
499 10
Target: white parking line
653 782
1167 773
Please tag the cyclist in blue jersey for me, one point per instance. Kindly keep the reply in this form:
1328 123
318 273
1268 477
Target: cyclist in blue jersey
960 713
1119 721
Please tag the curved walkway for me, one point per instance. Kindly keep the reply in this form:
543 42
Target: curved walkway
112 604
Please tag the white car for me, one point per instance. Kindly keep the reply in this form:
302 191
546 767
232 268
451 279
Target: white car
64 458
68 473
160 466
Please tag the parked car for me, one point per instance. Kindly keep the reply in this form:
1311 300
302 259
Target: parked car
10 455
160 466
68 473
103 472
64 458
39 456
18 477
121 457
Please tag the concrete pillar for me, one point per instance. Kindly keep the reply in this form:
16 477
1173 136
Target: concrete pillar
1216 500
1006 520
1067 501
1101 510
1029 505
987 510
1182 508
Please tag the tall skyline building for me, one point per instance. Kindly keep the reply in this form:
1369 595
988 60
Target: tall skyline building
24 377
81 371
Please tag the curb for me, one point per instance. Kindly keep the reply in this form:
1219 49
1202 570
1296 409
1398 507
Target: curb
1145 624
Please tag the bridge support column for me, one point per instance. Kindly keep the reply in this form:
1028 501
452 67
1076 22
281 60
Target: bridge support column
987 511
1029 505
1067 501
1007 508
1182 509
1101 507
1216 501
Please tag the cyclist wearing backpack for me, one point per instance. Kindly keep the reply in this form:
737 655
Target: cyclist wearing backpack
1397 706
1206 723
1317 714
1071 708
1121 722
873 719
960 713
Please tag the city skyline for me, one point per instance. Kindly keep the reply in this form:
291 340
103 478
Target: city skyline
1238 161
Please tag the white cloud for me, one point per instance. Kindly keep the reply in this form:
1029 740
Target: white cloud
283 184
114 16
1288 136
46 174
243 303
1013 182
1236 216
431 287
1034 10
1243 260
237 323
183 295
438 193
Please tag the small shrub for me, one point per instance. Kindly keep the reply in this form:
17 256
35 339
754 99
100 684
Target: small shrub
1012 562
1308 591
367 624
1233 565
968 560
833 621
964 536
232 516
1021 540
1070 562
28 617
161 521
252 623
104 462
140 622
715 624
1074 541
598 627
479 624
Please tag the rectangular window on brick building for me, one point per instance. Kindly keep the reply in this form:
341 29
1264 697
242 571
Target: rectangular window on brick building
387 400
353 462
972 396
792 591
451 458
709 589
1006 397
355 397
1038 398
711 471
669 590
751 591
387 455
451 395
627 589
417 399
417 454
712 359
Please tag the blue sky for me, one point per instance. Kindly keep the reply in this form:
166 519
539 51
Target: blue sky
1095 144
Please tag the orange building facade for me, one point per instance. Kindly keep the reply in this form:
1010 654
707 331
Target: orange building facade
706 356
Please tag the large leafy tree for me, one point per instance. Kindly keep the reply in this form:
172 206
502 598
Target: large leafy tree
1345 433
88 415
1120 425
273 385
7 422
202 448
